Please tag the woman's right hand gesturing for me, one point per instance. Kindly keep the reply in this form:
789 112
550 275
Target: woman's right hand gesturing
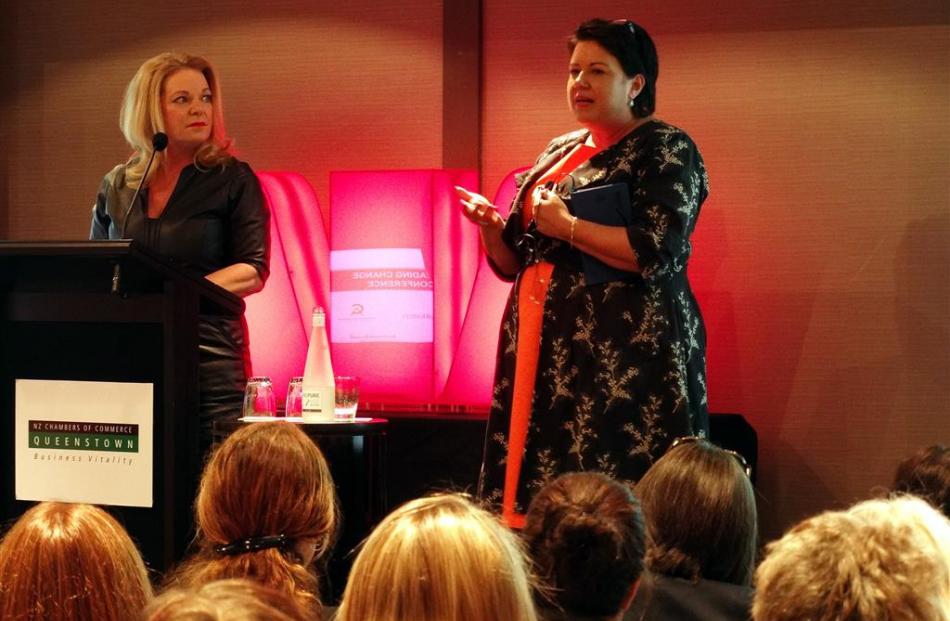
479 209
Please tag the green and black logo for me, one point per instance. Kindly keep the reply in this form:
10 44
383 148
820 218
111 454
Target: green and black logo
80 436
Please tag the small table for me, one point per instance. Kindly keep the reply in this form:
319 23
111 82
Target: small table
356 453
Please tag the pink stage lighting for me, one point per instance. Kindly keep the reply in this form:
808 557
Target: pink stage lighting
413 307
278 318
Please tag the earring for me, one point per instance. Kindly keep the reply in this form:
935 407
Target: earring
633 101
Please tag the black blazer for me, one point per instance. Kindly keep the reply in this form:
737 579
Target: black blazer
662 597
214 218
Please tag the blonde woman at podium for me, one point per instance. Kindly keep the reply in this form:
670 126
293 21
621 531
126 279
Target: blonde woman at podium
184 195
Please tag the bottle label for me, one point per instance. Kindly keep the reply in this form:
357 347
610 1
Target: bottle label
318 319
312 402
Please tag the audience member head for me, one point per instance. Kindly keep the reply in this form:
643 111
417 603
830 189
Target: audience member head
880 560
226 600
439 559
584 532
700 514
266 509
927 474
142 114
70 562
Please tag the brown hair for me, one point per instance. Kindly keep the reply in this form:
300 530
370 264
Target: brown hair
585 534
926 474
439 559
266 479
71 562
881 559
226 600
700 515
141 114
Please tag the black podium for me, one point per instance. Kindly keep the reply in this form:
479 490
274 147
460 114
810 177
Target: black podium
111 311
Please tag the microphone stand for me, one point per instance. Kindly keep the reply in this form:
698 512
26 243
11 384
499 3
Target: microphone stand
159 142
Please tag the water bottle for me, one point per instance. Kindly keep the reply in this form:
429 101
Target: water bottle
318 395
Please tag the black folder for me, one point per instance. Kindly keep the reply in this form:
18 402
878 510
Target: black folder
604 204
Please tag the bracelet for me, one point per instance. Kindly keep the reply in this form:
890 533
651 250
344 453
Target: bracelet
573 224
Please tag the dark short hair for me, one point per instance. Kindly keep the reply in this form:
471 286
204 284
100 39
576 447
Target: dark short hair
700 514
633 48
584 532
926 474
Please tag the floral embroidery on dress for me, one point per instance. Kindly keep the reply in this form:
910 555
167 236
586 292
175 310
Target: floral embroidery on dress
613 377
581 430
560 374
649 330
585 324
610 288
498 391
576 284
645 436
548 469
607 464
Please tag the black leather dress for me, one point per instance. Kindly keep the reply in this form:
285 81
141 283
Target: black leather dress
213 219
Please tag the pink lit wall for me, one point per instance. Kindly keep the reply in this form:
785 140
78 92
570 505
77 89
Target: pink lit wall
278 318
403 261
413 307
473 365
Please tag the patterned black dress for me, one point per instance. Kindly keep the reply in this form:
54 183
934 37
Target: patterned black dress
622 365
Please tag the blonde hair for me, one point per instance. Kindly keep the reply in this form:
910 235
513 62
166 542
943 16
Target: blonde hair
226 600
141 115
71 562
266 479
439 558
880 560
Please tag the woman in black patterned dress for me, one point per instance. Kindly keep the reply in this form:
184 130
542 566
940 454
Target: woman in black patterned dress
596 376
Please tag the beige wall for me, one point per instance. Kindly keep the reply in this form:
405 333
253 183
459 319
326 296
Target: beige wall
308 87
822 258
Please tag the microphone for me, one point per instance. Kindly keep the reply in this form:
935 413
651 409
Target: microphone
159 142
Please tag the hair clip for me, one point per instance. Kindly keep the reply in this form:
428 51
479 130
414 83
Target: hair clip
252 544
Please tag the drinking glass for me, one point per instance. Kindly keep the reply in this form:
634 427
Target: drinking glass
347 398
259 397
294 404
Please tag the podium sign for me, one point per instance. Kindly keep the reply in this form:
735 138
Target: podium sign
71 436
